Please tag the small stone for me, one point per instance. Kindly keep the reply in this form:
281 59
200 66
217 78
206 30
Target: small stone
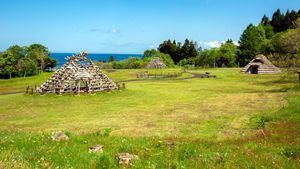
169 144
126 158
59 136
96 149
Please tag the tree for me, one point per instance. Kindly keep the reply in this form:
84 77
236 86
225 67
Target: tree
49 63
277 21
111 59
17 51
27 67
24 61
171 48
250 43
189 49
40 52
287 45
149 53
7 65
265 21
228 54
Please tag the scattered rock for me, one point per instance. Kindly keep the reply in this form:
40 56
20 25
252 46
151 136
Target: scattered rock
59 136
96 149
169 144
126 158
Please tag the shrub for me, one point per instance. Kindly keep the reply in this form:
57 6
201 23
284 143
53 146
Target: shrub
259 122
104 65
104 132
291 152
129 63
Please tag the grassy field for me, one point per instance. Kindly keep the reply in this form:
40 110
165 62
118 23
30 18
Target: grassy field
232 121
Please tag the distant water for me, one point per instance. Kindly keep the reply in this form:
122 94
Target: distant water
60 57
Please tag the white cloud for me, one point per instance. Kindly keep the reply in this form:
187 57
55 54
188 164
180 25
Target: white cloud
214 44
108 31
211 44
236 43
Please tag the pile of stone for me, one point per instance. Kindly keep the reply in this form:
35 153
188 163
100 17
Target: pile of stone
126 158
59 136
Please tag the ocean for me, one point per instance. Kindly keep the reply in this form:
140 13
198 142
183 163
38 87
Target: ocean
60 57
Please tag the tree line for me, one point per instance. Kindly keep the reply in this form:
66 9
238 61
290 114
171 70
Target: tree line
17 61
278 38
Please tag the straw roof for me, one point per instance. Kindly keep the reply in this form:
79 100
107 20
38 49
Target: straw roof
260 65
155 63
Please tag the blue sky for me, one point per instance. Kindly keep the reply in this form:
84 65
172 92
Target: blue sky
128 26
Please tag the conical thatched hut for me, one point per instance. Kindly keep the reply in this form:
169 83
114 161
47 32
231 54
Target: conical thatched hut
260 65
155 63
78 74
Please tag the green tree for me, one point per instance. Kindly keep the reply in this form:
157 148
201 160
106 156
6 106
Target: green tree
149 53
208 57
287 45
111 59
27 67
177 52
7 65
171 48
250 44
265 20
228 54
39 52
17 51
189 49
277 21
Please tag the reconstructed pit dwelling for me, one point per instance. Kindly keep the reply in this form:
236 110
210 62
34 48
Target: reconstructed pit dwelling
260 65
156 63
79 74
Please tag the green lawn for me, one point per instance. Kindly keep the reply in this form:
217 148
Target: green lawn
232 121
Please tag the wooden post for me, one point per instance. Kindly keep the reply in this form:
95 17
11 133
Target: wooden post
27 89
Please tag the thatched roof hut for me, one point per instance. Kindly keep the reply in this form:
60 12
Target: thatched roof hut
260 65
155 63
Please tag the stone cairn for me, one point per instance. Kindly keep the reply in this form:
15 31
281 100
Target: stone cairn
78 74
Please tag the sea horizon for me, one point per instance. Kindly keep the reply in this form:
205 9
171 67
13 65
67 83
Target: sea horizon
60 56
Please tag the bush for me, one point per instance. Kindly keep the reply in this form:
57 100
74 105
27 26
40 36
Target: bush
129 63
291 152
259 122
104 65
